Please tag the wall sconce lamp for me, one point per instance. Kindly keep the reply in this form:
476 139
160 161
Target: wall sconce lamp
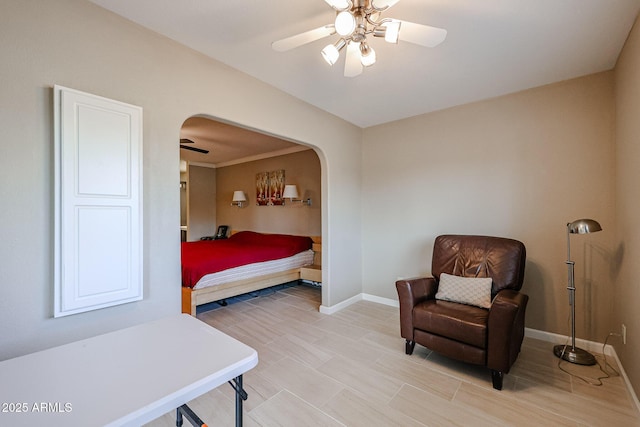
238 198
291 193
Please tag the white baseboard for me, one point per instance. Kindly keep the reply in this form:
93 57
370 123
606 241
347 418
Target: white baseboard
380 300
360 297
590 346
341 305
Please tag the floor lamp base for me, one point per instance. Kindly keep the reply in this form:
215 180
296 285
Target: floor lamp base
574 355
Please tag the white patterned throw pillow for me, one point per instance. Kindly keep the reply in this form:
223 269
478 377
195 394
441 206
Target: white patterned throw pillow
466 290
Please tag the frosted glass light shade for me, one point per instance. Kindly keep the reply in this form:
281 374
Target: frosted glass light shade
338 4
392 33
345 23
367 55
330 54
384 3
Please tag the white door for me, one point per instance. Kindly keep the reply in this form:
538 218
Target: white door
98 202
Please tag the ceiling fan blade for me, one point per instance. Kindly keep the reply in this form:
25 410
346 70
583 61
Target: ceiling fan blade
422 35
186 141
199 150
303 38
352 64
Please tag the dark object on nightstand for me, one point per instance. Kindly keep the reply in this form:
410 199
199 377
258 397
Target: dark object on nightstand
220 234
488 337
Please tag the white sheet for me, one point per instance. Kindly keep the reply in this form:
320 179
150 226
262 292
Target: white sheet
257 269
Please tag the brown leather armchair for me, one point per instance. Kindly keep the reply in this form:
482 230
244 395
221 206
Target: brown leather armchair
488 337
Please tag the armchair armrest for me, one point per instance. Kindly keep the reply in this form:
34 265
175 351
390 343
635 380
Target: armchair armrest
505 329
410 293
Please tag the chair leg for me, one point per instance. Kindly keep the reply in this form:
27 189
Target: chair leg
496 377
409 346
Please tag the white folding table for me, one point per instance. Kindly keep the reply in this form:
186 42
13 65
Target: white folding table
123 378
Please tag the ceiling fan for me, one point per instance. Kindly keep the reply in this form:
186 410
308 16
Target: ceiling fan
355 20
186 147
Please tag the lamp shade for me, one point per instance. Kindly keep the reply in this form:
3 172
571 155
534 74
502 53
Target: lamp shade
330 54
393 32
368 55
384 3
584 226
238 196
345 23
290 192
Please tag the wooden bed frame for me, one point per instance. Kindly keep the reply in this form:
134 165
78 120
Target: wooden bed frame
191 298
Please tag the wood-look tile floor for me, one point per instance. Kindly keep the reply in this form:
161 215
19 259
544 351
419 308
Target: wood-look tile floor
349 369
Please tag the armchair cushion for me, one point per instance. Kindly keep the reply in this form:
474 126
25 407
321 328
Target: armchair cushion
466 290
463 323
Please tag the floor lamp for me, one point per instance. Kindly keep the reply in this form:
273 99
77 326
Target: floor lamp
574 354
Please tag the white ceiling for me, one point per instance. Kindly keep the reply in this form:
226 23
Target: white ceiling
493 47
229 144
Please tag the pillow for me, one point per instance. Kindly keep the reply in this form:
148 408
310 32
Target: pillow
465 290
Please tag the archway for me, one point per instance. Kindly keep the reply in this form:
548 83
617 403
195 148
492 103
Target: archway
219 158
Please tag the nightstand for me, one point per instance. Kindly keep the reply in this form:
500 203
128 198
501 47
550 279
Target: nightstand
312 273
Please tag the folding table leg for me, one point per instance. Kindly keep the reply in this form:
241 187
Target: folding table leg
240 396
192 417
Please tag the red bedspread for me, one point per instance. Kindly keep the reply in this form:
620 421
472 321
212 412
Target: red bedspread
246 247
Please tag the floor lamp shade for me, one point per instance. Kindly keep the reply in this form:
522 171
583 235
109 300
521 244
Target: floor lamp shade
583 226
572 353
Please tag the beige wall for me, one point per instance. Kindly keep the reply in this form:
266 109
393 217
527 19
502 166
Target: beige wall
79 45
201 211
301 169
518 166
626 268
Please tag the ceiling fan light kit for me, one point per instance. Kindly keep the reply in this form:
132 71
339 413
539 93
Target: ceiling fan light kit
355 20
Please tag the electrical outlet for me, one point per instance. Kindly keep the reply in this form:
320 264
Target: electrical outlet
624 334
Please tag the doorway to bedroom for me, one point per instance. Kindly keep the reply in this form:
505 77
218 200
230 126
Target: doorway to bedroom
220 161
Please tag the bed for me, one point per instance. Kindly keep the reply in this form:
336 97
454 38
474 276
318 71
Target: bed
213 270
